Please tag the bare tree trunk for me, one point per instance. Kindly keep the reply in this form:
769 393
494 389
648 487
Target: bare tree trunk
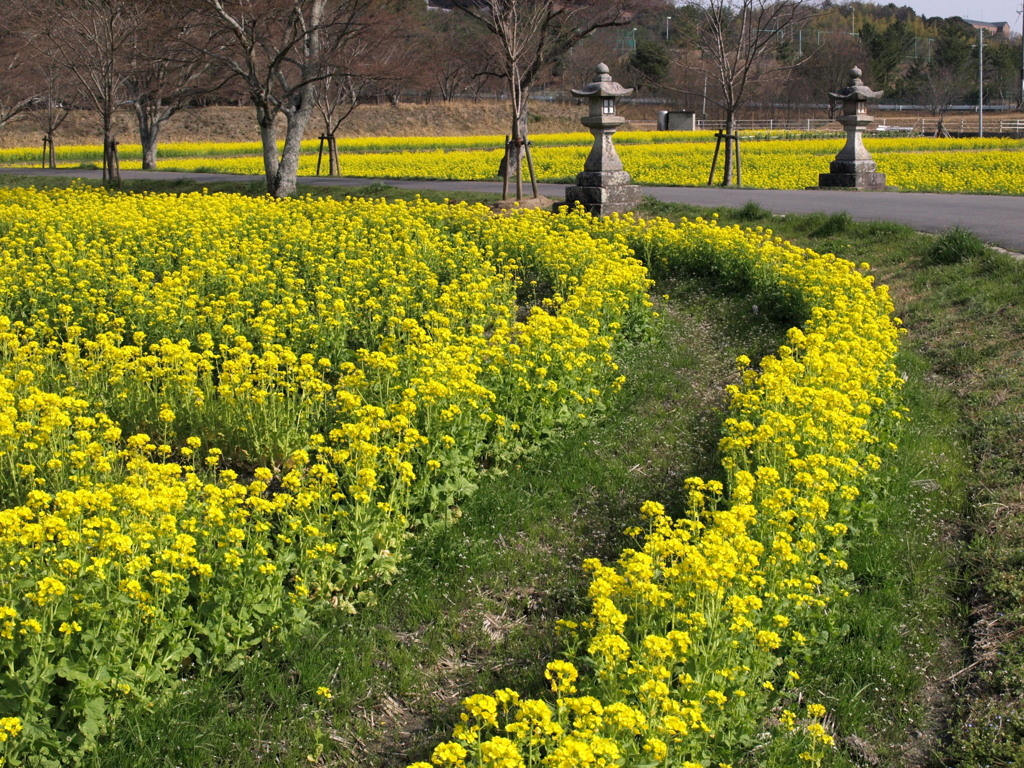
286 178
274 91
111 163
332 154
268 137
115 164
108 141
730 131
149 135
149 151
516 148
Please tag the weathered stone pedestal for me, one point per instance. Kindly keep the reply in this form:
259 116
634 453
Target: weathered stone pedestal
604 192
854 180
604 187
854 168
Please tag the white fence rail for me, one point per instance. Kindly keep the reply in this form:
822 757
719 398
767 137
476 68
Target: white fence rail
808 124
906 126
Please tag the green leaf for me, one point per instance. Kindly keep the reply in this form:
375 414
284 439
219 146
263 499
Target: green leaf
94 715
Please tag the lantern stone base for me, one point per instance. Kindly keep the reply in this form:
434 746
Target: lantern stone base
852 174
864 180
604 192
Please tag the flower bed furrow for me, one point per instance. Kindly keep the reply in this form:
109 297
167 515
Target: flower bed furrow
690 655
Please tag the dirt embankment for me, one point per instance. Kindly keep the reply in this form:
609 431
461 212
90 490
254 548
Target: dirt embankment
462 118
239 123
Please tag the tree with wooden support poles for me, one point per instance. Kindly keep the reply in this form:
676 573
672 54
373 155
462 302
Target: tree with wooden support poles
739 42
517 148
92 44
331 143
734 139
365 60
49 110
49 156
526 36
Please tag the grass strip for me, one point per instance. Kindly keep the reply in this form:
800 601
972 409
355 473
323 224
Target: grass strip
968 314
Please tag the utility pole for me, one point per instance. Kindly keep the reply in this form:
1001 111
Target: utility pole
1020 104
981 84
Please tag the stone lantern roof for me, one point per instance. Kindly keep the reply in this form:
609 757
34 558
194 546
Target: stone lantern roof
602 87
856 90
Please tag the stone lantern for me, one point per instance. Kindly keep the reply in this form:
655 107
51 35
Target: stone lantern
604 186
853 167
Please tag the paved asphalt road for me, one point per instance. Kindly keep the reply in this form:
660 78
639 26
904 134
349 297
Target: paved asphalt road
997 219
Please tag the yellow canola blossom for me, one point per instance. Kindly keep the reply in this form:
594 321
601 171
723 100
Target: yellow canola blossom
769 160
76 154
690 636
220 414
979 166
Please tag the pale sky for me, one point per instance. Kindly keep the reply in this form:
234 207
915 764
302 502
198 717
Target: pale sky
977 10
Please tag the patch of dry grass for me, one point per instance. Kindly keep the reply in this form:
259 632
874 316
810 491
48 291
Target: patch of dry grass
463 118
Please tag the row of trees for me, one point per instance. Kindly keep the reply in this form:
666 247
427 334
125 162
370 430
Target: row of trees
293 60
288 58
931 62
156 57
943 69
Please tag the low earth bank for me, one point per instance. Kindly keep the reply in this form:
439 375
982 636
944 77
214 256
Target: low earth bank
461 118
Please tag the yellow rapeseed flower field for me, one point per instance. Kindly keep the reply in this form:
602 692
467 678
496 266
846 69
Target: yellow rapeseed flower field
218 413
769 161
